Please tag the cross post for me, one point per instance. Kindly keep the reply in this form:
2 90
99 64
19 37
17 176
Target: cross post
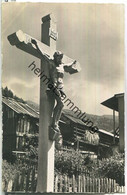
45 180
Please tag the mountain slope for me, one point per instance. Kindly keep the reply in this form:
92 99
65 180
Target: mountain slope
102 122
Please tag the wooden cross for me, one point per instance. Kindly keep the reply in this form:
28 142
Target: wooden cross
45 179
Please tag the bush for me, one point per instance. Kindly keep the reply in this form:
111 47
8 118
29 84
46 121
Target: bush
112 167
70 163
74 163
9 172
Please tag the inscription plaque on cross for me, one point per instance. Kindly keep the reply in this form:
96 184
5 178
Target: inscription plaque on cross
49 36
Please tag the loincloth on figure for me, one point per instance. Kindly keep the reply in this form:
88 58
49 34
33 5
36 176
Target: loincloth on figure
55 92
57 86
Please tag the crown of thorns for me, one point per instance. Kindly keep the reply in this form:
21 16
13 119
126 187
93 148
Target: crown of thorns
58 53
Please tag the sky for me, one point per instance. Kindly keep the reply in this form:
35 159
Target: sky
93 34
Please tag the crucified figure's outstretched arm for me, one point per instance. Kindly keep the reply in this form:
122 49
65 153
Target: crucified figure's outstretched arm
72 67
45 56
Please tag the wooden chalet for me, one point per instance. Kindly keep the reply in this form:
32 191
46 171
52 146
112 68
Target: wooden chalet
116 103
18 119
78 135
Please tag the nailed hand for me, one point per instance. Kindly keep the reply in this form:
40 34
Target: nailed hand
34 41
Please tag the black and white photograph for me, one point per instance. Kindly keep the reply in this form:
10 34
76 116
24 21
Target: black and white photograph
63 98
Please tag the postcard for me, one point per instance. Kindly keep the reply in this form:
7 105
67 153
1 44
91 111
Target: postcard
63 97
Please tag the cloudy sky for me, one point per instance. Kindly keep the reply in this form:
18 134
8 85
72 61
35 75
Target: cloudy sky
93 34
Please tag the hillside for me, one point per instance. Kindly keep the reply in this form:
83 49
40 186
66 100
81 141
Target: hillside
102 122
34 105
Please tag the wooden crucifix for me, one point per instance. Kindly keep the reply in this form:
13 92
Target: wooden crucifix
45 50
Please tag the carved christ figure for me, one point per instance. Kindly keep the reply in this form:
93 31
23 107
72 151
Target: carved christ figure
56 73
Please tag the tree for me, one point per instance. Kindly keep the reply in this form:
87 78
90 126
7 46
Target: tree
8 93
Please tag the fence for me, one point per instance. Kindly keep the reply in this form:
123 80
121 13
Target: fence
86 184
26 182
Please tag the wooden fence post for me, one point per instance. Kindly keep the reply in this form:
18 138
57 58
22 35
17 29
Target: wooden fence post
73 183
65 183
33 179
56 183
22 180
84 184
27 180
79 183
90 184
16 182
99 190
109 187
93 184
9 187
96 186
61 183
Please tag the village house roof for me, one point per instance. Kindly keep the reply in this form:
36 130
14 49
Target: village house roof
112 102
107 133
19 107
71 117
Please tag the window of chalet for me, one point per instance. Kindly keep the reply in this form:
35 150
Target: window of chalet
10 113
18 126
27 126
33 127
19 142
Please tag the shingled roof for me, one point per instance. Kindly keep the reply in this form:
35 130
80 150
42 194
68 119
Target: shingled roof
19 107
